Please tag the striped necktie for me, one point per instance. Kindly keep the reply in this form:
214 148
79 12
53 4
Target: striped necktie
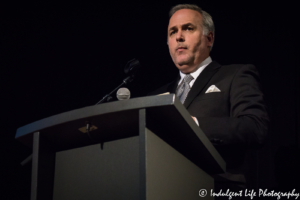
184 88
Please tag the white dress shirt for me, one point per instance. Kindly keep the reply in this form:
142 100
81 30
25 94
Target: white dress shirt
196 73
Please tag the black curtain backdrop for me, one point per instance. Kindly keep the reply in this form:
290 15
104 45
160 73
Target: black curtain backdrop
56 57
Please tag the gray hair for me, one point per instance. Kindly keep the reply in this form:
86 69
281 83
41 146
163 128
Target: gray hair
207 22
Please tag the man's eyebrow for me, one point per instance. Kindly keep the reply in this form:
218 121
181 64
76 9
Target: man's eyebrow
172 28
183 25
187 24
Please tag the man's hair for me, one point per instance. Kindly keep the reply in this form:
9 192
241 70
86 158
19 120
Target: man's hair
207 22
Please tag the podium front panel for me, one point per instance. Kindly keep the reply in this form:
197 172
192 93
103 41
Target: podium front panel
94 173
170 175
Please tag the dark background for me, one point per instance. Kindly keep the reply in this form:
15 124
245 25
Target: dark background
56 57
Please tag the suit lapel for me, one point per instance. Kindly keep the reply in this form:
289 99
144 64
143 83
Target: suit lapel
201 81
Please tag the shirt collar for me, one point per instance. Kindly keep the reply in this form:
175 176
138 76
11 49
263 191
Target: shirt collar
196 73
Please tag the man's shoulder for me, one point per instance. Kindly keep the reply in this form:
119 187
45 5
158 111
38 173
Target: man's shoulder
237 68
231 67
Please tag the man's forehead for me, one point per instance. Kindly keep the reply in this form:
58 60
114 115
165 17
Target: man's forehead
185 16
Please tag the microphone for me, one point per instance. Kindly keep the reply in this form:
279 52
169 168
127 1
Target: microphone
131 69
132 66
123 94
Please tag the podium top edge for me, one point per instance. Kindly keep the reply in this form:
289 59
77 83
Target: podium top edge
95 110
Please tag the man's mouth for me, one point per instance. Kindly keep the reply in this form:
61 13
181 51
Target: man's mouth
180 48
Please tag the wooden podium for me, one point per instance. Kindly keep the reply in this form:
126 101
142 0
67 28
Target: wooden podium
143 148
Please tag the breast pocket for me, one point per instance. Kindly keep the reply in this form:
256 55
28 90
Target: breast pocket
212 104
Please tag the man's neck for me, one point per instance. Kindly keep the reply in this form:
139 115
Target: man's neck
204 62
196 73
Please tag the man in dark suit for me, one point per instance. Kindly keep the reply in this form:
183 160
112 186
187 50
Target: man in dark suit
225 101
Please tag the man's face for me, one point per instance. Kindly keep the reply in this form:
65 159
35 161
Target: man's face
188 45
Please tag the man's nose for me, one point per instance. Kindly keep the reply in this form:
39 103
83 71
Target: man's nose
179 36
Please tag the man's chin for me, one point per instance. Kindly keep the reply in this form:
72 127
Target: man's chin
185 67
182 63
182 59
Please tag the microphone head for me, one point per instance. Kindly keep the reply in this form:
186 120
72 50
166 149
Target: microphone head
123 94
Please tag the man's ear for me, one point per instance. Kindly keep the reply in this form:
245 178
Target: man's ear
210 38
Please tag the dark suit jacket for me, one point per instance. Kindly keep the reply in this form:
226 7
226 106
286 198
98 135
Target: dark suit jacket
233 119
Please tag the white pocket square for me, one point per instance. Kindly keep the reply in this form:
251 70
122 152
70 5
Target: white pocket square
212 88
